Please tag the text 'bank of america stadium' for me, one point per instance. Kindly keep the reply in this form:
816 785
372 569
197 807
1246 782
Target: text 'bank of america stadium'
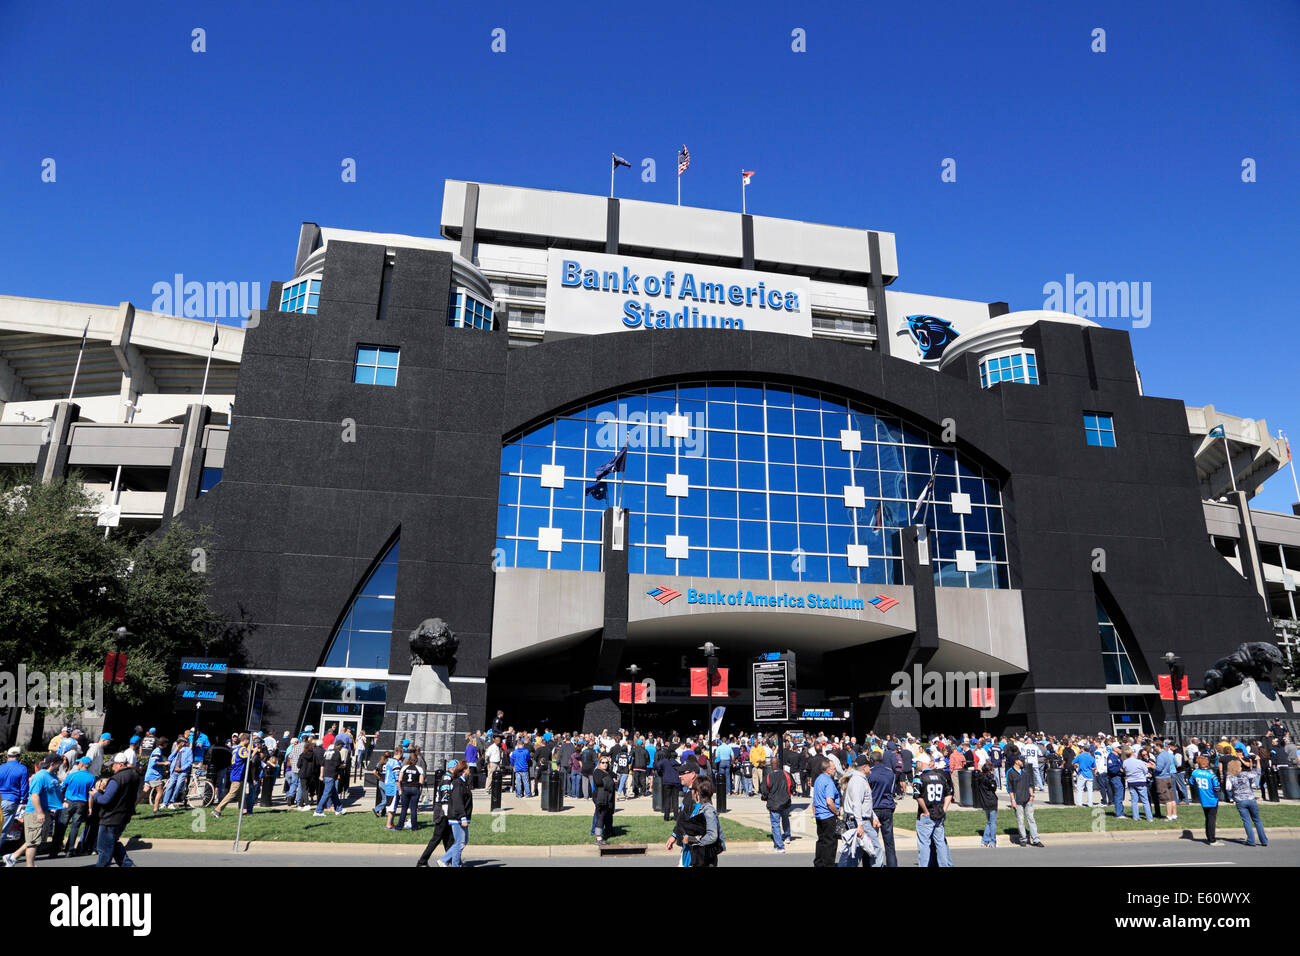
592 433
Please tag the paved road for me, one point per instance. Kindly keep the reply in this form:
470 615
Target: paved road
1284 851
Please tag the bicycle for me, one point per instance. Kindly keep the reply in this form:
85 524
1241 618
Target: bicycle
200 792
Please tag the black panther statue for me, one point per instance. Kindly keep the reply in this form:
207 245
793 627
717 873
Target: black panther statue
1255 660
433 642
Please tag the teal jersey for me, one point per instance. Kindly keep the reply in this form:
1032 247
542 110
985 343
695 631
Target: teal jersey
1207 786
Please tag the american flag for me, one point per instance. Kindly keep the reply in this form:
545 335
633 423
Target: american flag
683 160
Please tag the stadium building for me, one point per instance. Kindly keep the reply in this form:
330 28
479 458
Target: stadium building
592 434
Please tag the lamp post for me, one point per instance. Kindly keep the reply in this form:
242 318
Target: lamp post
711 663
1175 664
633 670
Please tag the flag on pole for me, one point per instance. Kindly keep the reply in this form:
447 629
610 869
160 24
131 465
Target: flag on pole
215 325
616 464
924 491
745 177
620 161
1218 432
683 160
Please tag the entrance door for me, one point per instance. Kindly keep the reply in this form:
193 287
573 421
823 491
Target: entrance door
353 726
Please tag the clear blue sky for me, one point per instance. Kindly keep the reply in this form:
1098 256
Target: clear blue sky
1115 166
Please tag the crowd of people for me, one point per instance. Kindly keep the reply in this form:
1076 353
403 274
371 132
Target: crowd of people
83 793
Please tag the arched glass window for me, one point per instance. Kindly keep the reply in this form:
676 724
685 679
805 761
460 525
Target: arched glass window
748 480
364 636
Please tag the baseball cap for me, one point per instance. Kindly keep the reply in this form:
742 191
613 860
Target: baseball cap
861 760
14 751
689 765
135 740
122 757
105 736
85 760
153 730
406 743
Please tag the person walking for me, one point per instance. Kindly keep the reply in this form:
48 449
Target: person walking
986 798
1020 784
308 769
331 765
1242 781
775 788
1115 778
460 808
493 758
238 770
441 835
521 758
884 782
859 845
826 811
1085 768
1206 783
701 832
115 800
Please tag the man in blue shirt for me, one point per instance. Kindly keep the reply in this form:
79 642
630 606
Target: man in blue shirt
44 801
13 789
181 762
75 814
724 755
826 797
520 758
239 754
1164 774
1085 766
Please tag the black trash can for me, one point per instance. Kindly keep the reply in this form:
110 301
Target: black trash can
494 791
720 794
1290 782
1055 787
656 794
966 788
552 788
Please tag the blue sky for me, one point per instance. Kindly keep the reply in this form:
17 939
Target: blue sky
1115 166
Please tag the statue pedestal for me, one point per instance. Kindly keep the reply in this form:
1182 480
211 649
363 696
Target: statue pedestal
1248 697
428 685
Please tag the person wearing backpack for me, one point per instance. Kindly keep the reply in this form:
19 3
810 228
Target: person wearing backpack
775 789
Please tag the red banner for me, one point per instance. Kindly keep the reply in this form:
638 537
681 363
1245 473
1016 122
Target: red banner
982 697
720 685
120 676
642 693
1166 685
625 692
699 682
115 667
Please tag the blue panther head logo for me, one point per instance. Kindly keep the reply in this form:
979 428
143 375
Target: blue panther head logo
930 333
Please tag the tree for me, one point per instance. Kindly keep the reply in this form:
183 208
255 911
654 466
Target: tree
65 588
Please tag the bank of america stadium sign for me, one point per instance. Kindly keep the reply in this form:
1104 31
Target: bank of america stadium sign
811 600
590 293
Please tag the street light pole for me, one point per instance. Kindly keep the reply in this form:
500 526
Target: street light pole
1175 673
711 664
633 670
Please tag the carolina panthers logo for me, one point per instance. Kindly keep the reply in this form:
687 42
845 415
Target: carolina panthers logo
930 333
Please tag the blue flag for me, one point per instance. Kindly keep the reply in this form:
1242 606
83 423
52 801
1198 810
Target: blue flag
617 463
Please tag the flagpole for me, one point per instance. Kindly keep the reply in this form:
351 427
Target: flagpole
211 348
1227 451
81 351
679 179
1291 460
612 166
743 184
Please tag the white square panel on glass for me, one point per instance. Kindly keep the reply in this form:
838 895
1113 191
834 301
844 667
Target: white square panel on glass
677 546
677 426
857 554
678 486
552 476
855 496
965 560
960 503
850 440
548 539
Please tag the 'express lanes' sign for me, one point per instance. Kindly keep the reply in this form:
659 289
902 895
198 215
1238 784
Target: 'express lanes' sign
590 293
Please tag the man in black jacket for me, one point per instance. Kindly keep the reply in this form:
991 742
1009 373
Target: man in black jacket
640 763
774 788
883 779
114 799
1021 784
688 771
669 782
604 785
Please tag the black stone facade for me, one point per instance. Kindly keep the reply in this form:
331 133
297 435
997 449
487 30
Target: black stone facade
301 515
